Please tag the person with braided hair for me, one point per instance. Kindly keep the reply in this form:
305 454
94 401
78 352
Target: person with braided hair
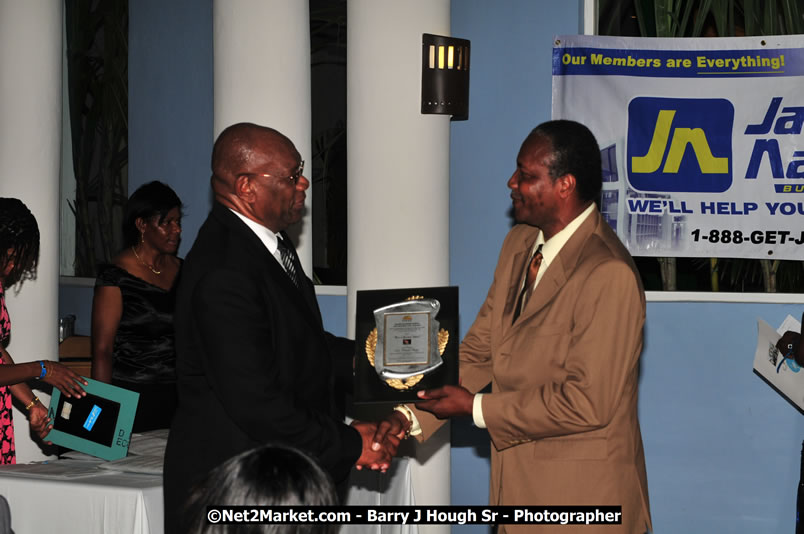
19 256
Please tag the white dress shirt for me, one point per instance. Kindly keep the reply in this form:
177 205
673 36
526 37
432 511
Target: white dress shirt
268 237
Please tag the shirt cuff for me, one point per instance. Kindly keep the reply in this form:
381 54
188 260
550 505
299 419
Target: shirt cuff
477 411
415 427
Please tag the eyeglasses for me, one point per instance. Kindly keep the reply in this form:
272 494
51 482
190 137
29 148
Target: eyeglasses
293 178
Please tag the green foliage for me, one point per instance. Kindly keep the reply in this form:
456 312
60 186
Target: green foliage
713 18
702 18
97 63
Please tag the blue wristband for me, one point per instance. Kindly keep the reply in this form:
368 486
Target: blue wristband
44 370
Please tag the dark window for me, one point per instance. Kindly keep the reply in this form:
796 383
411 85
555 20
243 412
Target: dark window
328 80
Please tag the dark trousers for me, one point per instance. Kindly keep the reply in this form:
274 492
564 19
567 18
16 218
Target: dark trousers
156 406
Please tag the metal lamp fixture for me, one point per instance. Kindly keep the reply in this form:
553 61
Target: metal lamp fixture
445 76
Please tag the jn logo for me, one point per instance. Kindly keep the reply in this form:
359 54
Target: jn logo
680 144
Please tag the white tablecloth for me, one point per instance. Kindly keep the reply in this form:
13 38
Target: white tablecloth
71 496
55 498
371 488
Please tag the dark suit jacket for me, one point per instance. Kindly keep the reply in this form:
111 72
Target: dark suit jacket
562 412
253 363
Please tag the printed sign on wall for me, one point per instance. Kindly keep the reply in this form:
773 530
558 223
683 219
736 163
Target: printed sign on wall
701 139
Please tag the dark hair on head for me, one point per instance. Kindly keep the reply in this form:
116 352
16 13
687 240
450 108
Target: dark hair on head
576 152
149 200
270 475
19 241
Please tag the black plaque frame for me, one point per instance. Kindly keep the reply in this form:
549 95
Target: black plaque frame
369 388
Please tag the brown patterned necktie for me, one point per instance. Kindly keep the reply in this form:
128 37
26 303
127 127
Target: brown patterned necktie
530 279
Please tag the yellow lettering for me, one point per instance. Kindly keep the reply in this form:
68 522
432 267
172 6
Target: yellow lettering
682 137
651 161
697 138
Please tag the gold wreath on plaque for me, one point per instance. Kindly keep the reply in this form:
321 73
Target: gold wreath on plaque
407 383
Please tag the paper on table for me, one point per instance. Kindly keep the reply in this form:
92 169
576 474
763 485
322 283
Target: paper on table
60 470
150 465
782 374
151 443
146 454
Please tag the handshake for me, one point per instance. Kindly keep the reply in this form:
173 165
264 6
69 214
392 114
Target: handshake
381 440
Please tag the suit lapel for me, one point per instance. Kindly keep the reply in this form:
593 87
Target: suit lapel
559 271
307 290
516 270
552 281
274 271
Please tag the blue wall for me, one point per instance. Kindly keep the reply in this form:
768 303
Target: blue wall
170 102
722 448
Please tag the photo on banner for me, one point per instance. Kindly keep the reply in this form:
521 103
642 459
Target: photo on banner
701 139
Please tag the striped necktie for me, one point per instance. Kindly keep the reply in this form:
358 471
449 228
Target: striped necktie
290 261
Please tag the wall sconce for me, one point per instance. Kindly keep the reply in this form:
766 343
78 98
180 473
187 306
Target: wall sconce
445 76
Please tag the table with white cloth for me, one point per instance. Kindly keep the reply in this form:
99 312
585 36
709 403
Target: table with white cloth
372 488
71 496
77 496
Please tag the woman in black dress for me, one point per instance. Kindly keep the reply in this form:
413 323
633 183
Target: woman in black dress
132 311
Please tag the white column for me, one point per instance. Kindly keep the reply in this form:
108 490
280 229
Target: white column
398 165
262 75
30 145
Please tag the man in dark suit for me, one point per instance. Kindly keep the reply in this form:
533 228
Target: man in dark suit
558 338
254 363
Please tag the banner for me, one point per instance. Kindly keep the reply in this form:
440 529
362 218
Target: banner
701 139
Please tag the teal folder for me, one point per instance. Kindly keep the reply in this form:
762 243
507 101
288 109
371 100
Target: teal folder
98 424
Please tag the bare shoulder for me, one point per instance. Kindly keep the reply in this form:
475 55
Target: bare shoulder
125 260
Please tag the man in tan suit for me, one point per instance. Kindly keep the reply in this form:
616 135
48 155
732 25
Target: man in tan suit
558 338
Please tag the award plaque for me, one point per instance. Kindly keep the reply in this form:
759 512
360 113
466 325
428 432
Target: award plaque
407 340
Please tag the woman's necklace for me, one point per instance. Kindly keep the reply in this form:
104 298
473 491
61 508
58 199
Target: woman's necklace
134 250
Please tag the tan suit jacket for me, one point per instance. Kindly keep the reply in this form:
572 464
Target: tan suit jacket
562 414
